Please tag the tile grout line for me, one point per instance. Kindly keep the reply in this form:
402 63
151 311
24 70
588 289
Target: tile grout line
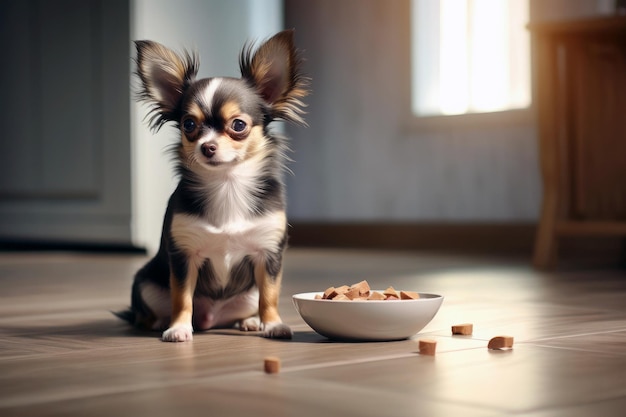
571 349
569 336
323 365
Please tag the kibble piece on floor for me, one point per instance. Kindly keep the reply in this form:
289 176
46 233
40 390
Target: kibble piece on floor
464 329
272 365
427 346
501 342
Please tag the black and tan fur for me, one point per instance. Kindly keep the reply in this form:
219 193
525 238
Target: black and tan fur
225 230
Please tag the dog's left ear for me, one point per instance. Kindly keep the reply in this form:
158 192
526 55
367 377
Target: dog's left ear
274 71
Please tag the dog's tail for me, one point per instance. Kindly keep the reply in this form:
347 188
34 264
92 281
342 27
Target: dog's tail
136 318
127 315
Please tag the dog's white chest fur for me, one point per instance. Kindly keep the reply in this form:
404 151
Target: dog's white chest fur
228 244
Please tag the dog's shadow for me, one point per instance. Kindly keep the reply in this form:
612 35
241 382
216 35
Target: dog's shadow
112 328
299 336
83 330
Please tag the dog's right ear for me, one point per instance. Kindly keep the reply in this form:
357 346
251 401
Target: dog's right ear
165 76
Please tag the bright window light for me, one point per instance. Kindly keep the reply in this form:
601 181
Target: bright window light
470 56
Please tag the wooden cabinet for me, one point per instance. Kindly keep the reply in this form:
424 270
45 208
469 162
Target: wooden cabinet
580 95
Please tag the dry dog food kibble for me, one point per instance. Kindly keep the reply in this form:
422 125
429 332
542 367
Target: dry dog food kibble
409 295
464 329
271 365
341 297
361 291
391 293
375 295
427 346
501 342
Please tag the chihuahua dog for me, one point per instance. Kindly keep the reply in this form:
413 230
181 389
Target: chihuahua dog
225 231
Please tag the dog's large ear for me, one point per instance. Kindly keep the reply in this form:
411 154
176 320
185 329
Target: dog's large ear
274 70
164 75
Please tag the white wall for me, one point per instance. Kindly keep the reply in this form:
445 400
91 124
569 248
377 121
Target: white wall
217 30
365 158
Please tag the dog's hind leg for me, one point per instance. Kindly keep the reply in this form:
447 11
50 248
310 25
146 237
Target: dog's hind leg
155 300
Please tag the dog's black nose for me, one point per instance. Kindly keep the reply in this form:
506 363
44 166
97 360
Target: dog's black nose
209 149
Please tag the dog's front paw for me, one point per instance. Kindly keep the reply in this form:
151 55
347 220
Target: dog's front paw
178 333
277 330
251 324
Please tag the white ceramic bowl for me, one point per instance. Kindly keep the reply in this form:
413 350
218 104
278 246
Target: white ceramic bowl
367 320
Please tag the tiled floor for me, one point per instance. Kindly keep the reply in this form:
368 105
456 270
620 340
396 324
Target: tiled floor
62 353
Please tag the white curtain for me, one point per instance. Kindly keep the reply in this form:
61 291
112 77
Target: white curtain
470 56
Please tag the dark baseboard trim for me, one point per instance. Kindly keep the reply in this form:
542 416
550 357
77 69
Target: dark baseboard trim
25 245
496 238
489 239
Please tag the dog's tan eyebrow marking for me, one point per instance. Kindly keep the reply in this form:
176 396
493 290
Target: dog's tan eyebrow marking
195 111
230 109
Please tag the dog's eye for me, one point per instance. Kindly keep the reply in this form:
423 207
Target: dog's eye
189 125
238 125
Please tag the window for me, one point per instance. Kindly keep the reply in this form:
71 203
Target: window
469 56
